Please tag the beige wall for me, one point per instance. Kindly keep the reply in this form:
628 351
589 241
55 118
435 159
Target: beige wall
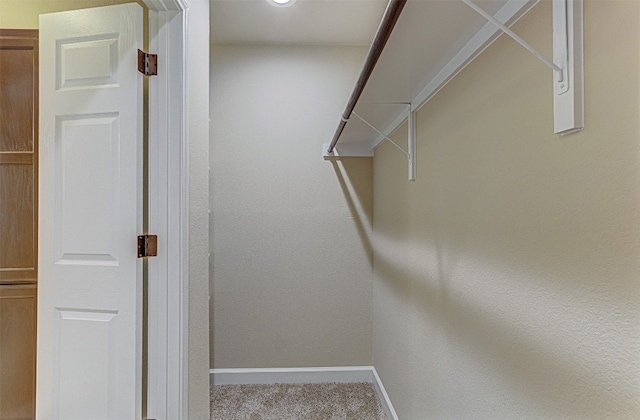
291 260
507 277
23 14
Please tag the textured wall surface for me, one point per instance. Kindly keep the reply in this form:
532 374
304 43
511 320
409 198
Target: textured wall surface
291 259
198 77
507 277
24 14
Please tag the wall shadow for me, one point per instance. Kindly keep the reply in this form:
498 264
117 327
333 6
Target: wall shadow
355 180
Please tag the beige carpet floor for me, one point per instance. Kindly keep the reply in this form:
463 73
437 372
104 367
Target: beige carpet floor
325 401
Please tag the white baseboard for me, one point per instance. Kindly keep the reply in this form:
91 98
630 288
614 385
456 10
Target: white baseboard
383 396
305 376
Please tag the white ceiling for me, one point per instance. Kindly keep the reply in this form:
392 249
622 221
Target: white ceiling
325 22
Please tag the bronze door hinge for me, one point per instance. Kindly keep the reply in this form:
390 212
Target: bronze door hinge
147 63
147 246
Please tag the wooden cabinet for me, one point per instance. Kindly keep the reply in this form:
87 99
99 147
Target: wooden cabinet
18 155
17 351
18 221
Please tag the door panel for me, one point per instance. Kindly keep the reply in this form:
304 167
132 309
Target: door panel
88 146
99 52
97 331
90 290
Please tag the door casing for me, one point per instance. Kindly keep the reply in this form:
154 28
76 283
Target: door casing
168 297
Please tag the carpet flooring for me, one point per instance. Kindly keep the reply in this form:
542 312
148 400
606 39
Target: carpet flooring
324 401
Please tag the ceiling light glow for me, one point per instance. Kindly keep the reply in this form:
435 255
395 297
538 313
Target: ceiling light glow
282 3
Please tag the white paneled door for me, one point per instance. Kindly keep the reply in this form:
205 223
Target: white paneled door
90 289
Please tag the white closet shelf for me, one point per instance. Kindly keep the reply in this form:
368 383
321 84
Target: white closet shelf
432 42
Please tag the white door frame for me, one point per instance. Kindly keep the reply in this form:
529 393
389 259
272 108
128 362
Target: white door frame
168 291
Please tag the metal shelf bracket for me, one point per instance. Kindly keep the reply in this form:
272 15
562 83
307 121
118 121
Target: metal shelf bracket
356 151
567 64
411 140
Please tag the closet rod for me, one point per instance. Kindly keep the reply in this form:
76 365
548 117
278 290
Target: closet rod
391 15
